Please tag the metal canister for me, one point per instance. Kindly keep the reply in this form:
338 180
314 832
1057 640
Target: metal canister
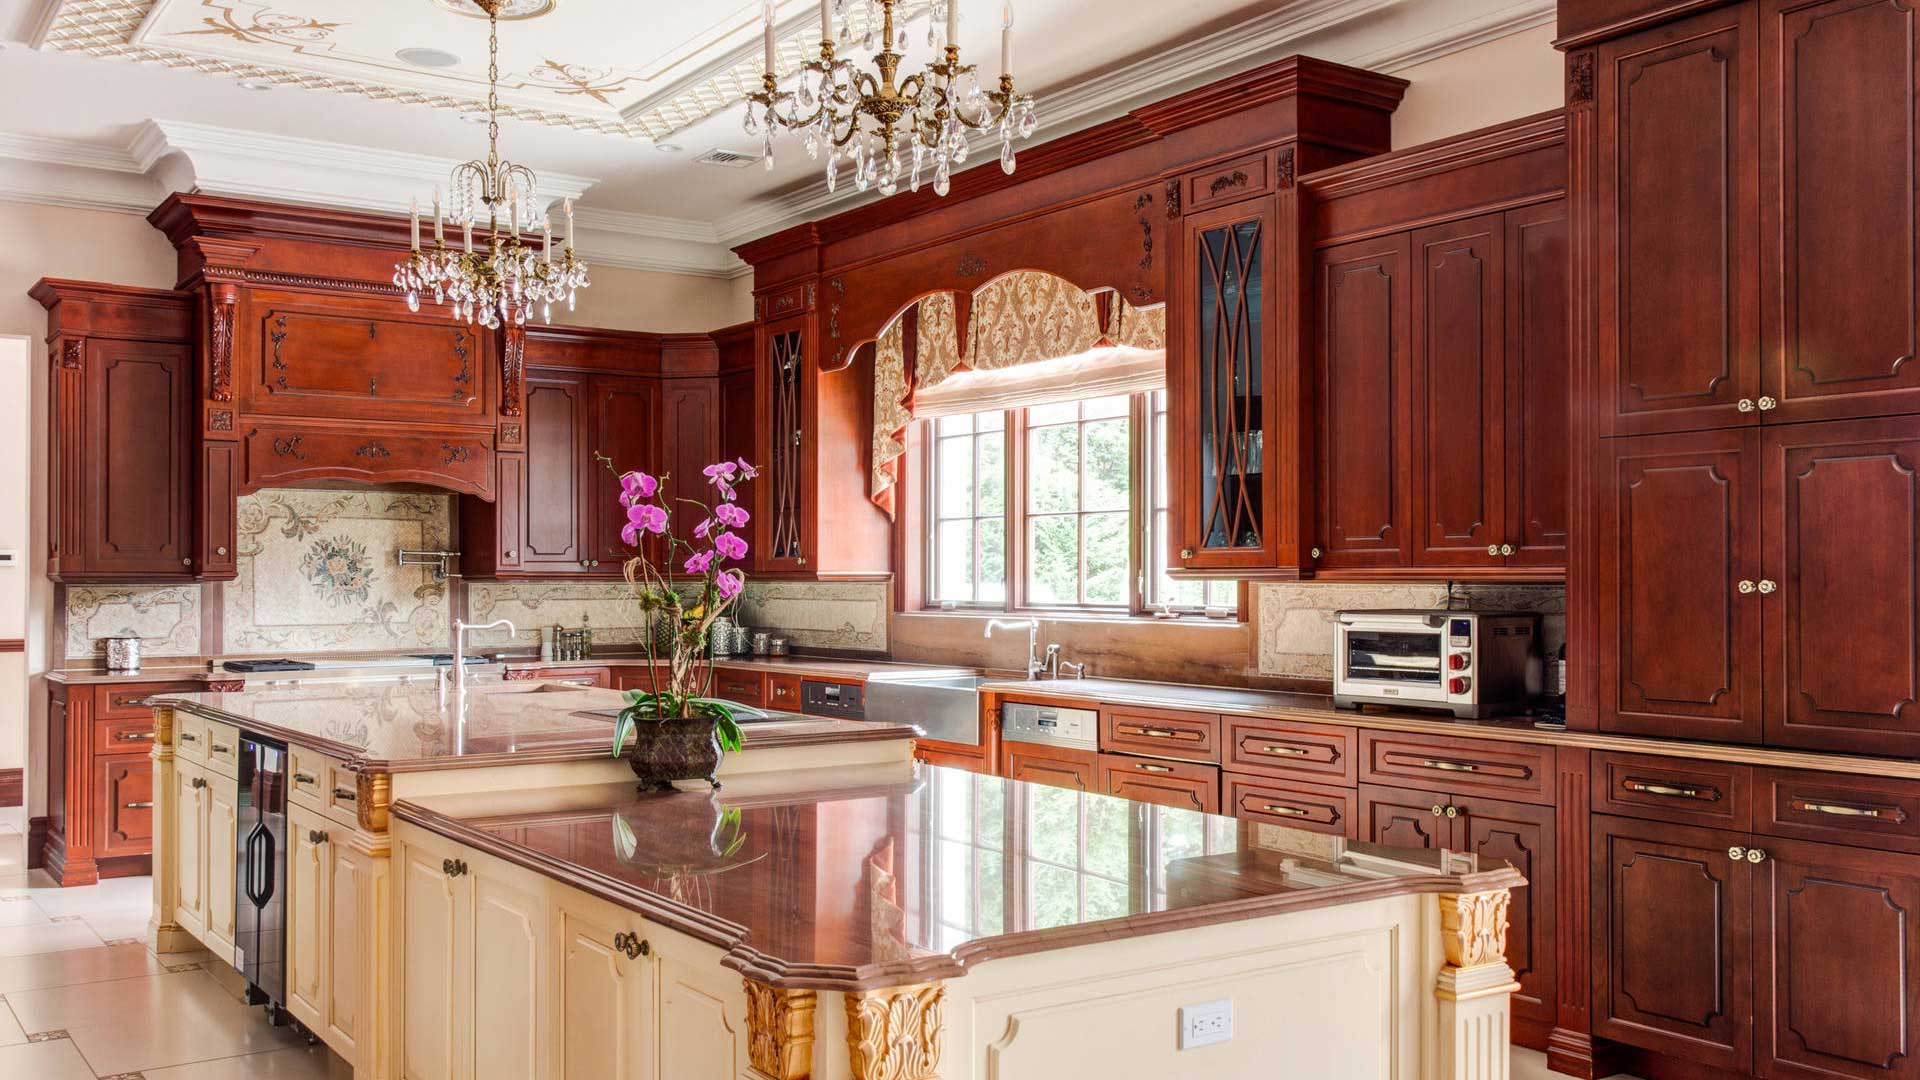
720 636
777 647
123 653
762 643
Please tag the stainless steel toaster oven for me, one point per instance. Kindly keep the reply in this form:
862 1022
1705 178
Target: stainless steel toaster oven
1470 663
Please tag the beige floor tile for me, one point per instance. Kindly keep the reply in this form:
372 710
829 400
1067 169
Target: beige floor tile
21 911
57 1059
43 971
307 1063
46 938
11 1033
112 898
138 1025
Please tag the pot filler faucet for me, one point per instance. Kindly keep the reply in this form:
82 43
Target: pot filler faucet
1032 627
460 630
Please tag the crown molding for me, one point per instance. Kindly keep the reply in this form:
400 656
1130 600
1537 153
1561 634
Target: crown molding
1450 39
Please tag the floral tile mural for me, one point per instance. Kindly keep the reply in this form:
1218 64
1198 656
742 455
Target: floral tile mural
165 618
318 572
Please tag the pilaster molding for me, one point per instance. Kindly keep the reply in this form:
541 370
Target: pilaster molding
897 1033
373 794
780 1031
222 299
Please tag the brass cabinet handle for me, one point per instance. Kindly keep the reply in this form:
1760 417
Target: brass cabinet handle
344 795
199 782
188 736
1506 549
1752 855
1159 732
1843 810
453 867
1745 404
1283 751
1767 404
1144 767
1755 855
221 748
136 806
1313 553
1767 586
1450 766
1438 810
633 945
1186 553
1284 811
1672 791
1493 549
134 736
303 778
1453 811
315 836
1745 587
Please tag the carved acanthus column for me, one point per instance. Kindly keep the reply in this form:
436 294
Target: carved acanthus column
897 1033
1474 986
780 1031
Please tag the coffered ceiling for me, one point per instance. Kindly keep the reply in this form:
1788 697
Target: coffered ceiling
363 103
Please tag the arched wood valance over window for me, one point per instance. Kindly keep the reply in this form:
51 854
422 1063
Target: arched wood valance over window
1017 319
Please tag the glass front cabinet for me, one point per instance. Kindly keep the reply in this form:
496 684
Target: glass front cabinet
1229 393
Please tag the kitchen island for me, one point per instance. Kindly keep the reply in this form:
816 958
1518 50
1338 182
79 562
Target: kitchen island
351 749
941 925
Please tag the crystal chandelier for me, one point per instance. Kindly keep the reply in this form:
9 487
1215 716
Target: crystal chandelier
500 283
889 130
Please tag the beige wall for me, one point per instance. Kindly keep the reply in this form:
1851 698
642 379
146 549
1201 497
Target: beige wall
622 299
1500 80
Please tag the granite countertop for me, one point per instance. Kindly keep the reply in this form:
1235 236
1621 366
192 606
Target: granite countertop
394 726
858 889
154 673
826 667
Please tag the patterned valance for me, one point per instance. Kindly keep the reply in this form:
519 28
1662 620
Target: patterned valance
1016 319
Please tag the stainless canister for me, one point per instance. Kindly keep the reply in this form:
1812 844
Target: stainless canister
723 636
123 653
777 647
762 643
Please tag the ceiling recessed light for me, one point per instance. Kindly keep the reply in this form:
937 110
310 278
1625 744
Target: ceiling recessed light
668 147
256 82
422 56
510 9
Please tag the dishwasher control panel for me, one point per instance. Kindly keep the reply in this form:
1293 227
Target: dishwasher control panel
1050 725
842 701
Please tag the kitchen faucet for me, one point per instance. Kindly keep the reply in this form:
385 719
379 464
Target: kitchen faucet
460 647
1032 627
1054 663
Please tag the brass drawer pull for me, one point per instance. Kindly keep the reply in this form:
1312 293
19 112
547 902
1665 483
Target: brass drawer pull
1144 767
199 782
453 867
134 701
315 836
1752 855
633 945
134 736
1285 811
220 748
1449 766
304 778
1884 813
1283 751
1671 791
188 736
1159 732
344 795
136 806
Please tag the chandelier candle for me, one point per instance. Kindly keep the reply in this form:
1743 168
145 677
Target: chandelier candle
889 129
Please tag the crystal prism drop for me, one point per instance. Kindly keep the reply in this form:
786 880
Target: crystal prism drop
813 146
833 172
1006 158
751 125
1027 122
866 41
940 178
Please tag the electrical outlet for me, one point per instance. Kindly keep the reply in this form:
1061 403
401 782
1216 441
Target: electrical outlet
1206 1024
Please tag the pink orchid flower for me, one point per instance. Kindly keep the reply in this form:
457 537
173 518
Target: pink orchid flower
649 517
701 530
635 486
731 515
631 534
730 546
698 564
729 582
747 472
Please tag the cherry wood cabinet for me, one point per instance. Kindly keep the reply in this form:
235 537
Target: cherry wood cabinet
99 780
121 459
1186 785
1058 766
557 529
1749 586
1361 371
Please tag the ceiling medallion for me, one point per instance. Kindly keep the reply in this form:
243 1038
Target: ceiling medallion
501 282
891 130
510 10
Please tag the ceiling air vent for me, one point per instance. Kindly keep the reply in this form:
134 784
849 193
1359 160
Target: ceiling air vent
731 159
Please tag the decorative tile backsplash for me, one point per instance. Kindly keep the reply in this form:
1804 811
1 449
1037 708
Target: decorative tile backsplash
166 618
821 614
607 607
318 572
1296 619
818 615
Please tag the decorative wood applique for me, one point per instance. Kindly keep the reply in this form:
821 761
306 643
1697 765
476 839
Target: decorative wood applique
970 266
513 357
1173 199
288 446
373 795
839 288
525 674
449 453
463 380
785 302
226 686
896 1033
73 353
1473 927
1234 179
220 347
510 433
220 420
1580 77
780 1031
278 335
372 450
1284 172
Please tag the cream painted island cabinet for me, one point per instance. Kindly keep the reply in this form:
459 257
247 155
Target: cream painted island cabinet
352 750
943 926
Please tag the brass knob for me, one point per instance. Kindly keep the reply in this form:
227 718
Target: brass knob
1768 404
315 836
199 782
1744 404
1506 549
453 867
1736 853
1745 587
1186 553
220 551
511 555
1438 810
1453 811
1755 855
1493 549
1313 553
1767 586
186 562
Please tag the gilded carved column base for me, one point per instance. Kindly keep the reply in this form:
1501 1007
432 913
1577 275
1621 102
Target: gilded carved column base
780 1031
896 1033
1473 987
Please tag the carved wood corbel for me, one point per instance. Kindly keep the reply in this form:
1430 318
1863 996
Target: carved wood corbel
513 360
373 795
780 1031
1473 931
897 1033
222 300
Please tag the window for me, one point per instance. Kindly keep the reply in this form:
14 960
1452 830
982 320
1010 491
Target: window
1060 506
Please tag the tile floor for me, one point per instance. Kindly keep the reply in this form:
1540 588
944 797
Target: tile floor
82 997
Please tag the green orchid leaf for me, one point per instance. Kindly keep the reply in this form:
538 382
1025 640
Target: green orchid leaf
622 729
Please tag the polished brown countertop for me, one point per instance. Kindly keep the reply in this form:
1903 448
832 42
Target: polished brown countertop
923 879
395 726
153 674
823 667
